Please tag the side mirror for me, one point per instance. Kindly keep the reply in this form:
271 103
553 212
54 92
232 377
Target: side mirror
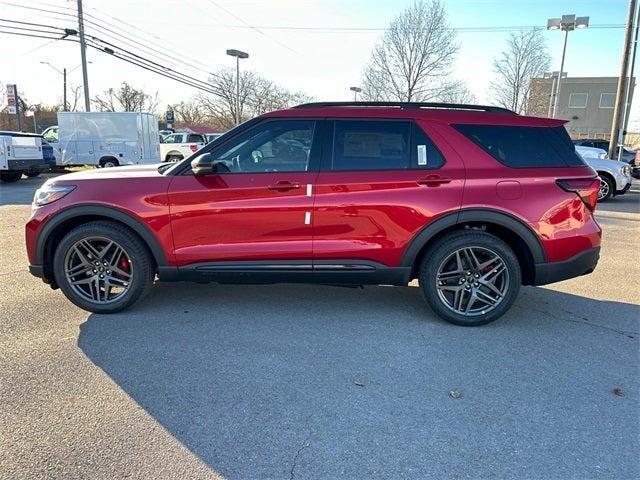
203 164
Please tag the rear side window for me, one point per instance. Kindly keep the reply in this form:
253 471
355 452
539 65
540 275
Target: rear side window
382 145
370 145
524 147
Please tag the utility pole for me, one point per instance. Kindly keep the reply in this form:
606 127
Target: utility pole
630 84
617 132
83 56
65 107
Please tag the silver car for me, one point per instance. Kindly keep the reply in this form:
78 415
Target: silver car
615 176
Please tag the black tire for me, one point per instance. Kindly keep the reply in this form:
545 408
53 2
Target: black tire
109 162
32 173
174 158
142 265
10 177
607 186
443 250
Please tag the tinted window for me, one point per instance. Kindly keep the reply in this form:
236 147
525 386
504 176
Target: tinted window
522 147
424 153
276 146
370 145
193 138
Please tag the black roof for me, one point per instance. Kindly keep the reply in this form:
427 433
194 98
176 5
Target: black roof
410 105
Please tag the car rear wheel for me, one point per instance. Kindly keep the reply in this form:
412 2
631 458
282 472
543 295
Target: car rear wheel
103 267
109 162
470 278
32 173
174 158
606 188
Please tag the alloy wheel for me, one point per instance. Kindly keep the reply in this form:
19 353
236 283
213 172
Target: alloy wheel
472 281
604 189
98 269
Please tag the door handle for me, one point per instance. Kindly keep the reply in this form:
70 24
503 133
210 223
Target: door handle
283 186
433 180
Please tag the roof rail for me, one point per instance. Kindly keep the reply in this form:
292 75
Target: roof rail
409 105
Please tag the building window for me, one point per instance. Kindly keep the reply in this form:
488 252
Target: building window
607 100
578 100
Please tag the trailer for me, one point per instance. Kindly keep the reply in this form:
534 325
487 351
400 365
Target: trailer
20 153
105 139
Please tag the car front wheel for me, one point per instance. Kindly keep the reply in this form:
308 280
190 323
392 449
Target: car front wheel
470 278
103 267
606 188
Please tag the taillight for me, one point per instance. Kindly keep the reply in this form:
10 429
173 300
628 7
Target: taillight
194 148
586 188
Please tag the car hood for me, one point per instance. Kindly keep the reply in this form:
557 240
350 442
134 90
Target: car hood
129 171
604 163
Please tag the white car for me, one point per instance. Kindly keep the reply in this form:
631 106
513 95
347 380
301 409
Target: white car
177 146
615 176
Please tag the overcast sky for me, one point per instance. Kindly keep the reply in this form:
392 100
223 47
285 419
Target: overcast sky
316 46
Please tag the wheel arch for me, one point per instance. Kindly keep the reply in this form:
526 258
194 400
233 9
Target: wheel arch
517 234
69 218
104 158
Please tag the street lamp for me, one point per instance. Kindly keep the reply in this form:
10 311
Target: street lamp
238 54
64 82
566 23
356 91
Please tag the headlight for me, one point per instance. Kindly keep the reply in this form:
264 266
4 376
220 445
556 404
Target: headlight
602 156
50 193
626 170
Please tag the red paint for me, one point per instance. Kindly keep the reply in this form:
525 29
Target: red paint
368 215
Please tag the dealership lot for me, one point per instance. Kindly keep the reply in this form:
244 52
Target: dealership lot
287 381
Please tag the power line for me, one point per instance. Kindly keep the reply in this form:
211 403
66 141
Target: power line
251 26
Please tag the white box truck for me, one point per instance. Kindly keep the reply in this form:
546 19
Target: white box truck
106 139
20 153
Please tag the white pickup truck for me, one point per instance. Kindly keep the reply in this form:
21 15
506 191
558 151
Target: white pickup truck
20 153
177 146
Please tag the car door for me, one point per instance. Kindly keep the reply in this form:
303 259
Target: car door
381 182
257 207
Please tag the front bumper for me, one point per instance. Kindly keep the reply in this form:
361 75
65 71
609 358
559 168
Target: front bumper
580 264
624 190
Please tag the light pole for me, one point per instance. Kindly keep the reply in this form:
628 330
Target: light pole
65 106
238 54
356 91
566 23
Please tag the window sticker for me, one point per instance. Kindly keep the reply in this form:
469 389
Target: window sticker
422 154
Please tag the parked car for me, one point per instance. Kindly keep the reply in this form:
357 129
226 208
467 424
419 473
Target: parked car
177 146
615 176
629 155
20 153
473 201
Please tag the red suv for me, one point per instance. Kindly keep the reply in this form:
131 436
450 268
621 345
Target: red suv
472 201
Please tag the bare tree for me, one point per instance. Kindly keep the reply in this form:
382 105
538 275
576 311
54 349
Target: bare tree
126 99
73 100
189 113
257 96
524 58
414 59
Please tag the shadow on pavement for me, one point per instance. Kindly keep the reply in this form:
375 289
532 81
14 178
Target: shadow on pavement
285 381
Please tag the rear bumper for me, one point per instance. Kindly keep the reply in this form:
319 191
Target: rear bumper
34 164
580 264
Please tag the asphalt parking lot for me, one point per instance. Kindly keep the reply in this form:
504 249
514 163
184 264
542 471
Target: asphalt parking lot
286 381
